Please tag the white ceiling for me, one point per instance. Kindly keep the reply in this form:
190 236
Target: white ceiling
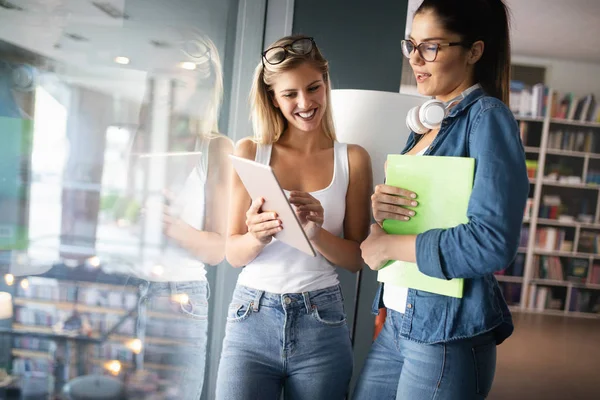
555 29
44 26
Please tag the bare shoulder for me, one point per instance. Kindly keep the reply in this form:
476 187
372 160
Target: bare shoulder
358 157
246 148
221 144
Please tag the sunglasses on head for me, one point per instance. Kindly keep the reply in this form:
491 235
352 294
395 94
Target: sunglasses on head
277 54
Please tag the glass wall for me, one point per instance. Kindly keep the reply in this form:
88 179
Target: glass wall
114 123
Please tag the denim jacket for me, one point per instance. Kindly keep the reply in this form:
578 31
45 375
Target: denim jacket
484 128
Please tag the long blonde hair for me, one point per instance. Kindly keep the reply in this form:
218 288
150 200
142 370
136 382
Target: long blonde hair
267 120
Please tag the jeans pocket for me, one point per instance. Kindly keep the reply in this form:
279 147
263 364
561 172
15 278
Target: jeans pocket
331 315
238 312
196 307
484 358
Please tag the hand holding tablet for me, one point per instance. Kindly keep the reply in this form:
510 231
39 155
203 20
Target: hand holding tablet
261 182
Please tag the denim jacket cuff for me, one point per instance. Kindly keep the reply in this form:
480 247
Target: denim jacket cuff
428 253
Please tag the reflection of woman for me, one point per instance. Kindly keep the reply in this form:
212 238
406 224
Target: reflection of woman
179 284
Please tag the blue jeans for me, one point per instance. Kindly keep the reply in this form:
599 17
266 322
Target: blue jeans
173 327
298 343
398 368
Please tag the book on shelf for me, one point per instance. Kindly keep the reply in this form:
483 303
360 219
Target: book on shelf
595 277
567 106
528 101
548 267
585 301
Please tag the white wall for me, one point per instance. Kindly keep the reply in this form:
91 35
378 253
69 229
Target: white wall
580 78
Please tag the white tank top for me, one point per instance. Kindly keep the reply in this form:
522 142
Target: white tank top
395 297
280 268
178 265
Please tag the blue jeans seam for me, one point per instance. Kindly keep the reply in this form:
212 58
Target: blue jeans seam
439 382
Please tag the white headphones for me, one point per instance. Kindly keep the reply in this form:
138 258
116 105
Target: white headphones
421 119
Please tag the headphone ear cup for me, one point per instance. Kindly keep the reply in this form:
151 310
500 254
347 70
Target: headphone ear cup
413 123
432 113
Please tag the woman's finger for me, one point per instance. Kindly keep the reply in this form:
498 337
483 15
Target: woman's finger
389 199
393 209
260 228
395 191
380 216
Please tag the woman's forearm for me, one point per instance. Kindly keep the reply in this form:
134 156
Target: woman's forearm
341 252
240 250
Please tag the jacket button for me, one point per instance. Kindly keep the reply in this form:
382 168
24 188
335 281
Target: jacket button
409 306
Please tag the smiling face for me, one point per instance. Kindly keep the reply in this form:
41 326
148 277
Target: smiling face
452 71
301 95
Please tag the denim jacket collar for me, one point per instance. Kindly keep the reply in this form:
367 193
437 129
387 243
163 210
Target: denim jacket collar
466 102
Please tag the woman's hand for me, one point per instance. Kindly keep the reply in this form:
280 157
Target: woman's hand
262 225
389 202
374 248
310 213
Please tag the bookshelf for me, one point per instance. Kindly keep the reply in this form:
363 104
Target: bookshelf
37 346
557 269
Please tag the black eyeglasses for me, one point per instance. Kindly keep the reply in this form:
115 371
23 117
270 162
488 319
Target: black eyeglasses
275 55
427 50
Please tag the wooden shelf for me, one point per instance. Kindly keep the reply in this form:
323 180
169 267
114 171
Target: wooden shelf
508 278
569 153
528 118
64 305
570 185
577 285
163 367
571 224
569 254
31 354
574 123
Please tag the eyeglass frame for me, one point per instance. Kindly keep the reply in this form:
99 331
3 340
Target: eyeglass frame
287 51
439 45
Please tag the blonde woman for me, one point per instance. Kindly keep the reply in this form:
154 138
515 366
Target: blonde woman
286 326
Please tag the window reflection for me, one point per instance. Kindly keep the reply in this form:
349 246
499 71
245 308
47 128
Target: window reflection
113 193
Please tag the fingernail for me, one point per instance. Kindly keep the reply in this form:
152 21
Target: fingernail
414 203
412 213
406 218
414 196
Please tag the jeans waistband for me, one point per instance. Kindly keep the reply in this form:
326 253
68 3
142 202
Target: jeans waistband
172 288
260 298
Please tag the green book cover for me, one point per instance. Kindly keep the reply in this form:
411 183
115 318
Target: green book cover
443 186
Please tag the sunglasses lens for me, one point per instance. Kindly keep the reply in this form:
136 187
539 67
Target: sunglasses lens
275 55
302 46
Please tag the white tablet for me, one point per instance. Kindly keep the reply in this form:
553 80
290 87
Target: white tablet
260 181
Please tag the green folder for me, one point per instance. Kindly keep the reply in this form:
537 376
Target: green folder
443 186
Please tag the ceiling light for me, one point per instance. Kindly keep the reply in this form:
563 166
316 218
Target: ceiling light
9 6
190 66
110 10
9 279
122 60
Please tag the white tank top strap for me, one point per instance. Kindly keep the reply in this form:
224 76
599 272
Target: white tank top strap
204 148
263 153
342 164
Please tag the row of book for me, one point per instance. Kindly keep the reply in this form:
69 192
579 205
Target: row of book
574 139
552 239
587 301
52 317
532 101
62 291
